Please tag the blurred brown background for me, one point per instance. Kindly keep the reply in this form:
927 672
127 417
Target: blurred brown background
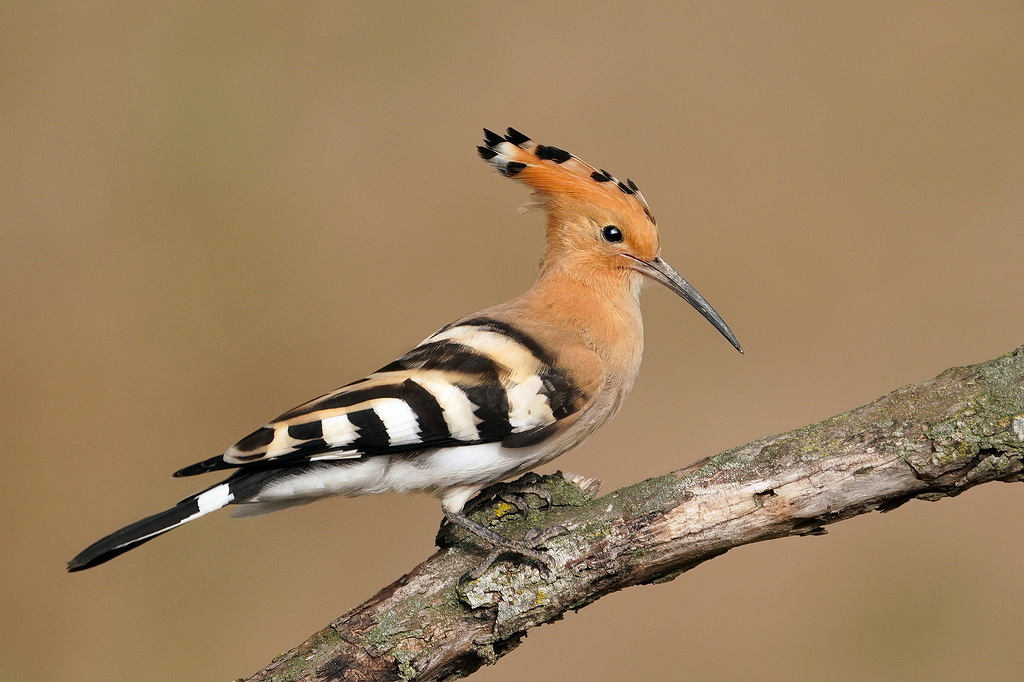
214 211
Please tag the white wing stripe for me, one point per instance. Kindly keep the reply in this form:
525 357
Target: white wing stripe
500 348
339 431
527 406
335 455
456 407
399 419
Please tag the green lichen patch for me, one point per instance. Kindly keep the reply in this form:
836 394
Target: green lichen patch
392 626
317 649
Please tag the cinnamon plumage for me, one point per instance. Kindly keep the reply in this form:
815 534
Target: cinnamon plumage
486 398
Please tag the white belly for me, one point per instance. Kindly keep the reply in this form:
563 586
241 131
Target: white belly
453 474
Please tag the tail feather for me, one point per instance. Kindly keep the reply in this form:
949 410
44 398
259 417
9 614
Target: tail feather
133 535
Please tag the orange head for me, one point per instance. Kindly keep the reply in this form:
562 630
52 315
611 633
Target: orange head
597 225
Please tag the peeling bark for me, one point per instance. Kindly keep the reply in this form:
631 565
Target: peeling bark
927 441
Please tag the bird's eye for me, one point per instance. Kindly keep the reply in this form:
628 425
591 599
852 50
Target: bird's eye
611 233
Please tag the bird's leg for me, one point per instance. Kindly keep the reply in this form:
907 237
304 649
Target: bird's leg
527 547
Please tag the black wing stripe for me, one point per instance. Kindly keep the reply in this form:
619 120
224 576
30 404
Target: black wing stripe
356 396
506 329
563 395
314 445
307 431
491 408
372 432
432 426
449 356
257 440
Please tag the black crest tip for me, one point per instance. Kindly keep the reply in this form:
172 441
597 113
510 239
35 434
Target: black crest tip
601 176
513 168
492 138
626 188
552 153
516 137
632 185
486 153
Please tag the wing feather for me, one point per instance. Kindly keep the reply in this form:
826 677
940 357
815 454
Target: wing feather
473 382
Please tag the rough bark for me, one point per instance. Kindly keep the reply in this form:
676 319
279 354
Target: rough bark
927 441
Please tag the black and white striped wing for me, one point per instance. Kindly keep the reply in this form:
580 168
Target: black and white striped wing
477 381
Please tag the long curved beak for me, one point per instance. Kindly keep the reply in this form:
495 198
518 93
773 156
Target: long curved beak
662 272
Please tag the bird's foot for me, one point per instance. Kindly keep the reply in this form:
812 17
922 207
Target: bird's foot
501 545
527 548
514 492
515 495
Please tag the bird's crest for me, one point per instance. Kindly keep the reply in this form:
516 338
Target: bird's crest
555 174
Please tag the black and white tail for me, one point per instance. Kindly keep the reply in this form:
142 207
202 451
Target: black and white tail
133 535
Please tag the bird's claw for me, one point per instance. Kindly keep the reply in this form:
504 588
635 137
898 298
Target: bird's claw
515 492
527 548
538 536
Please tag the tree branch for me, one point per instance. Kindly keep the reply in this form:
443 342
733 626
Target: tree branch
927 441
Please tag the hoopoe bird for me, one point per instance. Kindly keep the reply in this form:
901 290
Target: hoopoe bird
484 399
